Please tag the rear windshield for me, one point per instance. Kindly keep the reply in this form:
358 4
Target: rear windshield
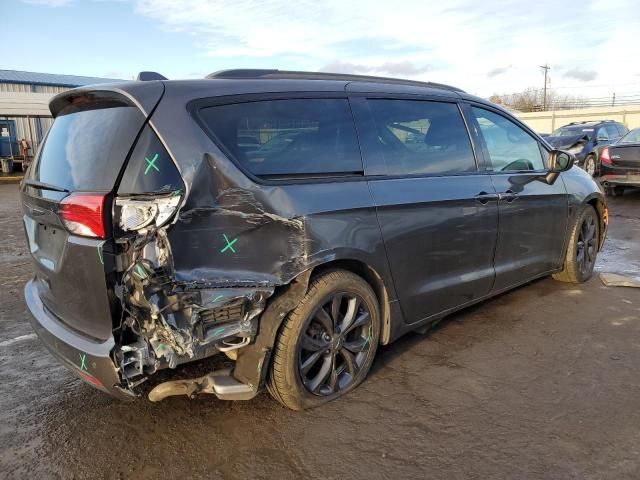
85 150
632 137
284 138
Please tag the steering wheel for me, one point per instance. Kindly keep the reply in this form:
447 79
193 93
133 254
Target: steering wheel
519 164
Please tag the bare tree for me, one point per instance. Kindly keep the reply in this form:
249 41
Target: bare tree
532 100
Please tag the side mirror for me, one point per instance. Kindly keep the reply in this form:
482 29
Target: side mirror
560 161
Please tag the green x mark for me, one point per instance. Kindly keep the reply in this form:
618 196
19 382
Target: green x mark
217 298
229 245
151 163
100 245
217 331
138 270
83 361
368 339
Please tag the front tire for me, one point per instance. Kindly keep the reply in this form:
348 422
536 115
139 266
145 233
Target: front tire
582 249
615 191
327 343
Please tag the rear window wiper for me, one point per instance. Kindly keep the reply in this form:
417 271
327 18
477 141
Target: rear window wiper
45 186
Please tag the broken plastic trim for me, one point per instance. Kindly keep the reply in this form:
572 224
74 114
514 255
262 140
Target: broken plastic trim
220 383
169 322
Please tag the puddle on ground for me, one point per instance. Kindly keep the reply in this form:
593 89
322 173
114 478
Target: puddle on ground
619 256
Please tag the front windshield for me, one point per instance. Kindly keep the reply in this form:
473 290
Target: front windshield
572 131
632 137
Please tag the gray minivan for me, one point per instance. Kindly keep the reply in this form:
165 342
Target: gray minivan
291 221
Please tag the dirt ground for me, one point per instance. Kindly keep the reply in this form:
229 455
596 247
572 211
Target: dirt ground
541 382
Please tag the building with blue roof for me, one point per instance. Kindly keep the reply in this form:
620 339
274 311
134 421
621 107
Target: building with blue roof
24 108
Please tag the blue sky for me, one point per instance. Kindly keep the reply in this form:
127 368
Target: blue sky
484 47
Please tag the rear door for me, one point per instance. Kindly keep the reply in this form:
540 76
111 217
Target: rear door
532 213
73 177
437 213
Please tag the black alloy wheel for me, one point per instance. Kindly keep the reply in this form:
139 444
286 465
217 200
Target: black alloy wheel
587 248
334 344
582 248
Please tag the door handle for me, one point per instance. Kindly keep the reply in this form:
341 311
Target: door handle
484 197
508 196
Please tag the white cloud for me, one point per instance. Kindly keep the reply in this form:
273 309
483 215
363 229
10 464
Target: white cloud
464 42
494 72
581 74
406 68
483 47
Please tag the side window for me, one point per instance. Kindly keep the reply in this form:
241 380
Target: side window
150 169
602 134
420 137
283 138
612 131
510 147
622 129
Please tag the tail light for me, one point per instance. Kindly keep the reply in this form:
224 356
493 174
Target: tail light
83 214
136 214
605 157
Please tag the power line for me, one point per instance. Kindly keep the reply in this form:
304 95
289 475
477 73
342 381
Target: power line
578 87
609 85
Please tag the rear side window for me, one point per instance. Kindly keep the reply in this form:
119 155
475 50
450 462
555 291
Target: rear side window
603 134
420 137
150 169
287 138
85 150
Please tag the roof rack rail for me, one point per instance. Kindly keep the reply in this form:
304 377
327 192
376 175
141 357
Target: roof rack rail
149 76
584 122
274 74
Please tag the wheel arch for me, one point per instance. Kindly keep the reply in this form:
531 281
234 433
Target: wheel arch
375 281
253 361
603 217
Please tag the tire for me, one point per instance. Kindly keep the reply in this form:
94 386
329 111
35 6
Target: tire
590 165
582 248
304 354
616 191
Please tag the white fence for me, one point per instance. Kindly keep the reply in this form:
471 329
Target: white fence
546 122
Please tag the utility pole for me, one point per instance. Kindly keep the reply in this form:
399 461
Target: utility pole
546 68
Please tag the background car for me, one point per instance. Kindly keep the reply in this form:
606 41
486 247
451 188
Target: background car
585 140
621 164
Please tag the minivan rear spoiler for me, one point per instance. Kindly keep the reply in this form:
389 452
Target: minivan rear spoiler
144 95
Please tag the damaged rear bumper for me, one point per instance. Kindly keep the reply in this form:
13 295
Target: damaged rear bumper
89 359
92 361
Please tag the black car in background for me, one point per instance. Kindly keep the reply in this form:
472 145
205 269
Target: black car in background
291 221
585 140
620 164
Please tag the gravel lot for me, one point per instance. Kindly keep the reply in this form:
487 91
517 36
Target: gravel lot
541 382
